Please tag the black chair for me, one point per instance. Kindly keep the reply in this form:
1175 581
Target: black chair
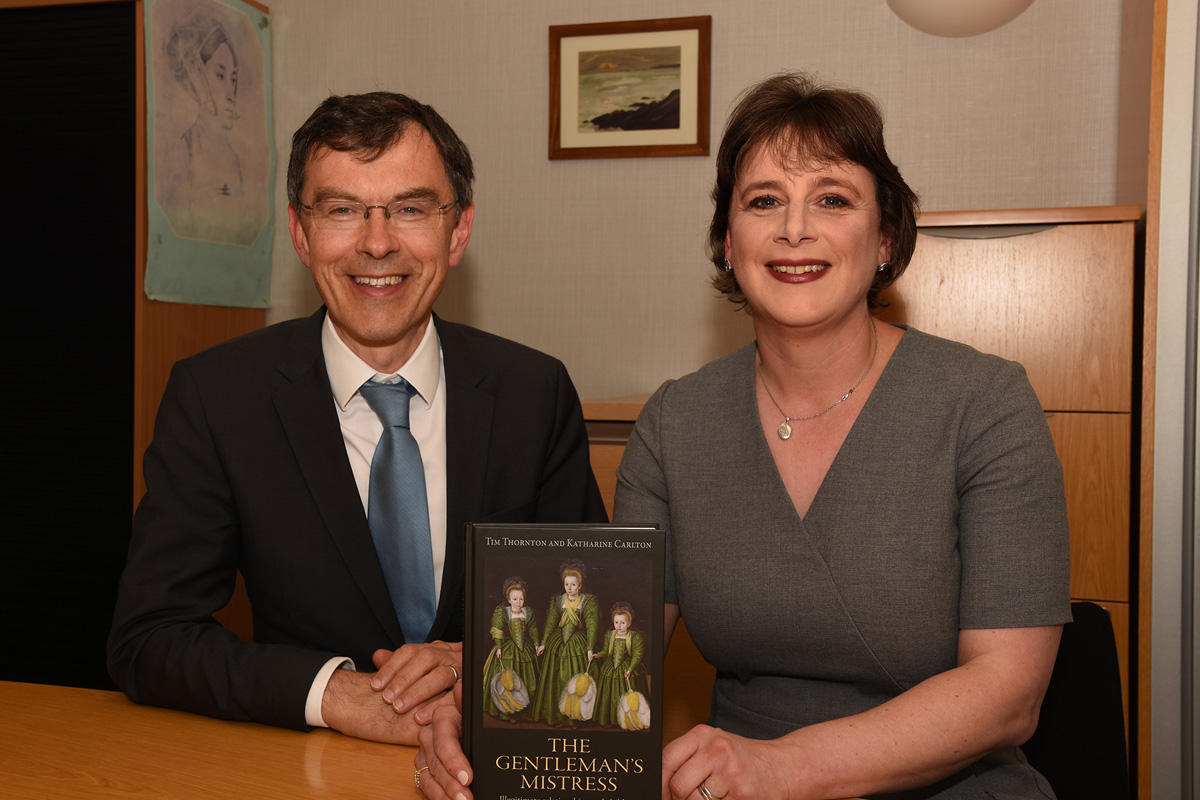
1079 744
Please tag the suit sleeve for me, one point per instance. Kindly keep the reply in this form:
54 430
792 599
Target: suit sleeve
569 492
166 649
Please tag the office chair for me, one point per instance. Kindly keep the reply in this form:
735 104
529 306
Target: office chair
1079 744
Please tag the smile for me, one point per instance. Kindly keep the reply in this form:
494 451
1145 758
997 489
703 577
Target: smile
386 280
793 270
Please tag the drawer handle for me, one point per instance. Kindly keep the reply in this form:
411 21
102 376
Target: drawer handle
984 231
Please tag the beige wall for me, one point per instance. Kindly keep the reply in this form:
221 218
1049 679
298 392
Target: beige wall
601 262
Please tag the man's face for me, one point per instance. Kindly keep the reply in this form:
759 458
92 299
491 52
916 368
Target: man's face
379 282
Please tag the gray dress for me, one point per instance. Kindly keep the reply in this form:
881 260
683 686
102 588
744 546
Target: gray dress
943 510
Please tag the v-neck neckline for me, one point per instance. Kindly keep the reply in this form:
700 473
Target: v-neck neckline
750 404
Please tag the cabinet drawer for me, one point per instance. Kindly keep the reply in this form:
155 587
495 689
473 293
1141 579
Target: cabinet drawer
1095 452
1059 301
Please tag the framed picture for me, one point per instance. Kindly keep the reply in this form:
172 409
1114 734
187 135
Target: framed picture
630 89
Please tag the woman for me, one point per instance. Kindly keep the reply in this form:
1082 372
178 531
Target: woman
514 631
867 526
567 642
204 198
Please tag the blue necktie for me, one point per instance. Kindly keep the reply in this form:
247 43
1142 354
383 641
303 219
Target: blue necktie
398 511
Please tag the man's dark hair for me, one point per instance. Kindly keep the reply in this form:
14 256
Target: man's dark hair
367 125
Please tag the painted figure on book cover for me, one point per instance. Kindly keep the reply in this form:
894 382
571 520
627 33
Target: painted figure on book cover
623 686
566 650
510 672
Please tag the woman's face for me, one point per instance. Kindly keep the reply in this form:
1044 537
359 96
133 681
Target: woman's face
620 622
516 599
571 585
222 75
804 239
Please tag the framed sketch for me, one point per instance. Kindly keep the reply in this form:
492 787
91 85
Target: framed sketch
630 89
210 154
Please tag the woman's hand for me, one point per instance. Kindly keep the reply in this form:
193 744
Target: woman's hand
730 767
416 672
441 764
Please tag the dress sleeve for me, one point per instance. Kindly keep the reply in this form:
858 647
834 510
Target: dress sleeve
636 649
606 650
551 619
531 625
499 630
1013 535
641 496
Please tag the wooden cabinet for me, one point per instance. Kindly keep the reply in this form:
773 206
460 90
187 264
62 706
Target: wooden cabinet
1052 289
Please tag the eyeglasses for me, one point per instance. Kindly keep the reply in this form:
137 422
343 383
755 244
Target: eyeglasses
347 215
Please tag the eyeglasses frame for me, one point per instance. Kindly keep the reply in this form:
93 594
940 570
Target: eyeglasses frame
311 209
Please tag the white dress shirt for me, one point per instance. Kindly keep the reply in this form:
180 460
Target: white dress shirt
361 430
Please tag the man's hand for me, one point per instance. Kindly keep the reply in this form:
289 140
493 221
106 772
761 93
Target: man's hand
415 673
350 705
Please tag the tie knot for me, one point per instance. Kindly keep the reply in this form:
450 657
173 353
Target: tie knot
389 401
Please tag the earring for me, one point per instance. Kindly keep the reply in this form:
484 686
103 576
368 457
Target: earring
883 266
728 267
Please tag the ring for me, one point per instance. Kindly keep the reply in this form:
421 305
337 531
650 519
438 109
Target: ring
702 790
417 776
452 669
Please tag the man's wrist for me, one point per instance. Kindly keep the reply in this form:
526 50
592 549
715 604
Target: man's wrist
312 706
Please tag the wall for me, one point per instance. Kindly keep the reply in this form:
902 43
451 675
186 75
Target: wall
601 262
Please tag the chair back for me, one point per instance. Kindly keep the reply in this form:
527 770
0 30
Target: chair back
1079 744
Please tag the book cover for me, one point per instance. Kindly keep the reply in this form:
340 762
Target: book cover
564 653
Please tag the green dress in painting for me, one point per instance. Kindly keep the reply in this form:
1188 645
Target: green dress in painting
619 655
570 632
516 638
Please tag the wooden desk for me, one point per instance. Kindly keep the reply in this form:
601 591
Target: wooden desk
65 743
61 742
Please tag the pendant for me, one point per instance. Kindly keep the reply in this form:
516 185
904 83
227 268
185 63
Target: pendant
785 430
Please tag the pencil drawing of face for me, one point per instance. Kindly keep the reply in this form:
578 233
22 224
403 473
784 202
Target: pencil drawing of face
220 71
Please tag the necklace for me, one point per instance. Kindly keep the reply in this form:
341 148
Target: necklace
785 428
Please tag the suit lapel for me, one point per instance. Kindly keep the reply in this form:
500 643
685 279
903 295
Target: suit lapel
469 411
305 407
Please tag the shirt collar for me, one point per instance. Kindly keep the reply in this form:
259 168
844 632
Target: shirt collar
348 372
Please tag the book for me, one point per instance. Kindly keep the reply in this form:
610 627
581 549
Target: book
541 719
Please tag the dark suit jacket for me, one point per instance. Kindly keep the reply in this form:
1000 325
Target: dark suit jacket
248 471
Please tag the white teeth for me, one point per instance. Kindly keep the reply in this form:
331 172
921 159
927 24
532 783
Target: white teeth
798 270
387 280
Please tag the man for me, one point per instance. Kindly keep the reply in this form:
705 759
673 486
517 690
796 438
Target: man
264 448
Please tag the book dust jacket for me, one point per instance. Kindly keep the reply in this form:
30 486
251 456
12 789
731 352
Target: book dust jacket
564 654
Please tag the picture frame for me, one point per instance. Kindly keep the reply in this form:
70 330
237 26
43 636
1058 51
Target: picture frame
631 89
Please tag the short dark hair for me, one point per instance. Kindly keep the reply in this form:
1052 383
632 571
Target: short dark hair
367 125
803 119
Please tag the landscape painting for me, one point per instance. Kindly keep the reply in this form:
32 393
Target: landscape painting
630 89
